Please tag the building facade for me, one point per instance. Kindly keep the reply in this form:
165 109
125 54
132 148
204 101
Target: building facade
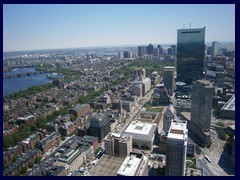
201 107
176 149
169 79
190 54
118 144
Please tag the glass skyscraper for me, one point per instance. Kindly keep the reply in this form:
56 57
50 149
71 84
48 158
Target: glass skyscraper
190 54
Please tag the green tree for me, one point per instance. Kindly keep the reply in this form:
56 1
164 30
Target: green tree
23 170
37 160
221 133
220 124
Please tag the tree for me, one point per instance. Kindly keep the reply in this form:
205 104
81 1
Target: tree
222 133
220 124
23 170
37 160
198 150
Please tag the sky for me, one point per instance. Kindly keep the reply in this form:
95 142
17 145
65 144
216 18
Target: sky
49 26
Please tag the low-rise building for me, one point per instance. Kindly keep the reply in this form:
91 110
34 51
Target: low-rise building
228 110
118 144
80 110
49 142
143 134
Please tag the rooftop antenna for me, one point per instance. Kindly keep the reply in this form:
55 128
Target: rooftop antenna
190 25
184 26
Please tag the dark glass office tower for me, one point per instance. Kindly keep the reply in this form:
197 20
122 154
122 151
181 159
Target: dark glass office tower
190 54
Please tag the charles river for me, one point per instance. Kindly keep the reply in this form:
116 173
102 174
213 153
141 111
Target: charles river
16 84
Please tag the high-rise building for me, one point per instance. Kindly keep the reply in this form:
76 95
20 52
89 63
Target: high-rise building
176 149
190 54
168 78
202 94
135 164
127 54
174 49
140 73
168 116
141 51
150 49
120 55
215 48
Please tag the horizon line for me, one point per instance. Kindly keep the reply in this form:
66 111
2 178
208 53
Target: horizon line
109 46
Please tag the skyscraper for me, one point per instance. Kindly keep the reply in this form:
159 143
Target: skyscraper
215 48
150 49
176 149
141 51
168 78
202 94
190 54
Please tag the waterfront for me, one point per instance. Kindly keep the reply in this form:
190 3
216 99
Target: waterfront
12 85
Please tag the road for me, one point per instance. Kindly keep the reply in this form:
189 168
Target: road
201 165
138 108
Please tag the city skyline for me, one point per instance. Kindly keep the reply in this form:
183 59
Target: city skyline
35 27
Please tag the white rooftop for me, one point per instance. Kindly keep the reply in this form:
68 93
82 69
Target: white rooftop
177 130
140 130
129 166
230 105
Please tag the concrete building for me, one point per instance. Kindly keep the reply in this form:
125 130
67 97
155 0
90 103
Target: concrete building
137 90
127 54
135 164
143 134
99 126
228 110
176 149
140 73
201 107
155 78
120 55
150 49
142 51
168 116
145 83
215 49
190 54
127 105
169 79
118 144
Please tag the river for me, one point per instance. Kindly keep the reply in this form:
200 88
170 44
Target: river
12 85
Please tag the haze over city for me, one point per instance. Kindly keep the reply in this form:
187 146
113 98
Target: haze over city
119 90
33 27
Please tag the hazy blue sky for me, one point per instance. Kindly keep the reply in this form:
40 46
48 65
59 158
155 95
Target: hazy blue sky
27 27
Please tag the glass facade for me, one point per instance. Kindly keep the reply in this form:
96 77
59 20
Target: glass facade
190 54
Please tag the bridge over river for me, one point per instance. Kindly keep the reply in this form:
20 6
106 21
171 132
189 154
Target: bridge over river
6 76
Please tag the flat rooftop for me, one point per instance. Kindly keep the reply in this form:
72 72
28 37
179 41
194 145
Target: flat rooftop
107 166
177 130
230 105
130 165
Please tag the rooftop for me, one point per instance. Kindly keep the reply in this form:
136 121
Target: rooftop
107 166
230 105
139 130
178 130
